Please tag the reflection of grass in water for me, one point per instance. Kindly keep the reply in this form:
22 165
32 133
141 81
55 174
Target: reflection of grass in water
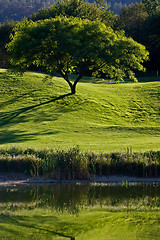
74 207
90 224
109 213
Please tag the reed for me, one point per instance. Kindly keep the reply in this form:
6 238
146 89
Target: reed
74 164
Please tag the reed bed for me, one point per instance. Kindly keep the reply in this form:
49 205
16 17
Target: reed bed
72 163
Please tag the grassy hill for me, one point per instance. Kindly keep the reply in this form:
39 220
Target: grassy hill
35 111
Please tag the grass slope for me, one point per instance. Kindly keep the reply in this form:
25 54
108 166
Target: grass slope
35 111
90 224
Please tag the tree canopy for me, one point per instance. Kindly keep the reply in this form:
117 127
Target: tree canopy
75 8
78 8
72 45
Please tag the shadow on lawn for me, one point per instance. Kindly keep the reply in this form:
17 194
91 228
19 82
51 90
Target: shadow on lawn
19 221
11 117
17 98
11 136
7 117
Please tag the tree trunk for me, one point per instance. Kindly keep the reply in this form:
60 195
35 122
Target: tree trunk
71 85
73 89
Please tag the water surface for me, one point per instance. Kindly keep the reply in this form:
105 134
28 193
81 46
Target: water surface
80 211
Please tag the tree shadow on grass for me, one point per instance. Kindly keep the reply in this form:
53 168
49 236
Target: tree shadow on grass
17 98
27 223
11 136
7 117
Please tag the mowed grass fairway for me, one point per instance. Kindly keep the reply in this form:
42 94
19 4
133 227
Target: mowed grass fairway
35 111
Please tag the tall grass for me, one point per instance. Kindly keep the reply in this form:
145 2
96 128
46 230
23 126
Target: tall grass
74 164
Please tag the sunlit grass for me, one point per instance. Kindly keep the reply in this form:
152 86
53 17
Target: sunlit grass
35 111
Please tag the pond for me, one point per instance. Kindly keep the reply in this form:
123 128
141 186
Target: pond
80 211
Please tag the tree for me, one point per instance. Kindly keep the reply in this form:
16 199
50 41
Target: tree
72 45
78 8
151 39
151 6
142 23
5 31
132 17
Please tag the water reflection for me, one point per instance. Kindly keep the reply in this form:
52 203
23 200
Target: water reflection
73 197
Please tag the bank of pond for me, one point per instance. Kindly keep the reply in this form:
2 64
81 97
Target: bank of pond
80 211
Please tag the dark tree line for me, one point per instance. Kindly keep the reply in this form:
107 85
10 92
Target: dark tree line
5 31
142 22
